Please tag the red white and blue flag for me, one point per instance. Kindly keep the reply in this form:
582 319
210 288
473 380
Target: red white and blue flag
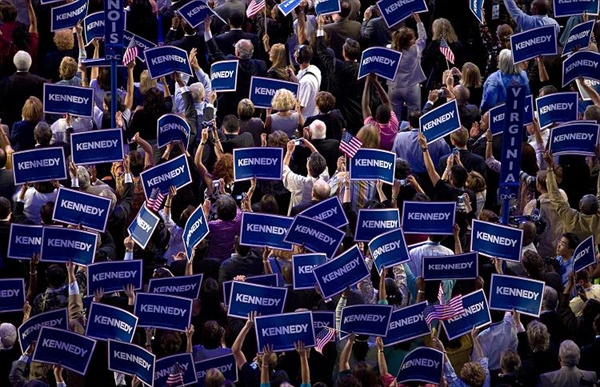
254 7
445 49
130 53
349 144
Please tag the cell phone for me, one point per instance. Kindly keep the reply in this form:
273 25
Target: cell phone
298 142
578 288
208 114
216 185
402 181
455 151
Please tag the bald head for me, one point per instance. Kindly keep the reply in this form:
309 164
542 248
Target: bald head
529 231
244 49
317 130
321 190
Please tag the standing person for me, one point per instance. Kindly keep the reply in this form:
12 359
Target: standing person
434 62
385 119
538 18
494 87
309 80
342 29
564 254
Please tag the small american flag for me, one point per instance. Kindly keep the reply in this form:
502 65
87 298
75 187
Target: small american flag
130 53
349 144
254 7
454 307
175 377
155 200
322 338
445 49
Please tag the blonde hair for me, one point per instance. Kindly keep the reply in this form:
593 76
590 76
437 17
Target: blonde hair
442 28
33 110
63 39
67 68
146 83
214 378
471 76
473 374
279 56
369 136
245 109
283 100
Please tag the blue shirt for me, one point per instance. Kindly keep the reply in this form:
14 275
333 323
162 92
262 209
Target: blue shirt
407 147
566 267
527 22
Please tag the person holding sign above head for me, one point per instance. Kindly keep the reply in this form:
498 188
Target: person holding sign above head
385 118
540 9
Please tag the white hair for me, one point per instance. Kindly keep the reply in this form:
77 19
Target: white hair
22 60
8 335
318 129
569 353
198 91
506 64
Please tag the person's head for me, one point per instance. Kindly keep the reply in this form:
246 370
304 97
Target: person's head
33 110
369 136
505 63
318 130
567 245
22 61
351 50
460 138
442 28
540 183
473 374
345 10
592 113
154 101
528 159
458 176
4 207
471 75
83 177
198 92
538 336
402 169
67 68
42 134
529 231
245 109
392 291
510 362
316 164
588 205
503 33
212 334
321 190
582 278
231 124
364 371
8 336
533 264
488 216
56 276
278 56
475 182
413 118
64 40
383 114
268 205
8 12
223 168
568 354
214 378
278 139
226 207
283 100
236 19
170 342
146 83
304 54
462 95
403 38
136 163
325 101
539 7
547 90
244 49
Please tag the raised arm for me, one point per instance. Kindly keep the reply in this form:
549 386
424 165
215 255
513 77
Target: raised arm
94 71
345 355
304 369
366 99
129 95
33 27
383 95
236 348
148 157
433 175
543 74
381 362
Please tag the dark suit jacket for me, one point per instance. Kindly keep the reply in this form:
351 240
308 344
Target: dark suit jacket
227 40
14 91
470 160
330 149
187 42
339 31
567 376
7 184
590 355
375 32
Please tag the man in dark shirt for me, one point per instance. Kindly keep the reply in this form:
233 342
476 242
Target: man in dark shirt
231 138
242 262
468 159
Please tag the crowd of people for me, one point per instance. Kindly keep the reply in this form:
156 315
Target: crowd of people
556 207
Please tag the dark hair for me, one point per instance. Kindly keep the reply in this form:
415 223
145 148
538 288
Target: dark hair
136 163
236 19
154 102
414 117
4 207
529 160
401 38
226 207
325 101
21 37
351 49
231 124
548 89
459 176
533 265
9 12
170 342
349 381
316 164
3 157
268 205
103 78
305 53
42 134
582 275
383 114
56 276
212 334
402 169
573 240
345 9
185 215
46 213
539 7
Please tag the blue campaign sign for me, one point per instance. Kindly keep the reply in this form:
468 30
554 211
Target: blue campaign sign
265 279
109 322
512 139
187 286
24 241
39 164
329 211
247 297
389 249
196 11
302 267
165 60
80 208
141 43
61 244
594 84
261 230
143 226
422 364
114 20
428 218
579 38
381 61
67 15
406 324
12 294
576 138
581 64
316 236
557 107
476 6
114 276
496 240
585 254
366 319
163 311
97 146
283 330
70 350
225 364
564 8
131 359
165 367
61 99
521 294
262 90
223 75
174 172
497 119
372 223
196 229
323 319
532 43
287 6
100 62
327 7
394 11
440 121
93 26
262 163
30 329
460 266
172 127
337 274
476 314
373 164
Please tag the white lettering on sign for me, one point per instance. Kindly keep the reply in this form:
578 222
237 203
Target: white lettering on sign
114 275
385 248
38 163
556 106
27 240
314 233
162 309
93 145
378 59
423 362
496 239
222 74
397 5
581 62
113 322
285 330
257 300
533 41
573 136
475 308
168 58
166 176
522 293
77 245
450 266
132 358
364 317
80 207
372 163
266 228
71 348
439 121
380 223
38 326
67 98
72 14
174 288
8 293
406 321
428 216
244 162
341 271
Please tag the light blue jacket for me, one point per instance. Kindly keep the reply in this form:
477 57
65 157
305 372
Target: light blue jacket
527 22
494 88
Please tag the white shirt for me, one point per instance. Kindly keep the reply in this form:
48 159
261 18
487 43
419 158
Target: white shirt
308 87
